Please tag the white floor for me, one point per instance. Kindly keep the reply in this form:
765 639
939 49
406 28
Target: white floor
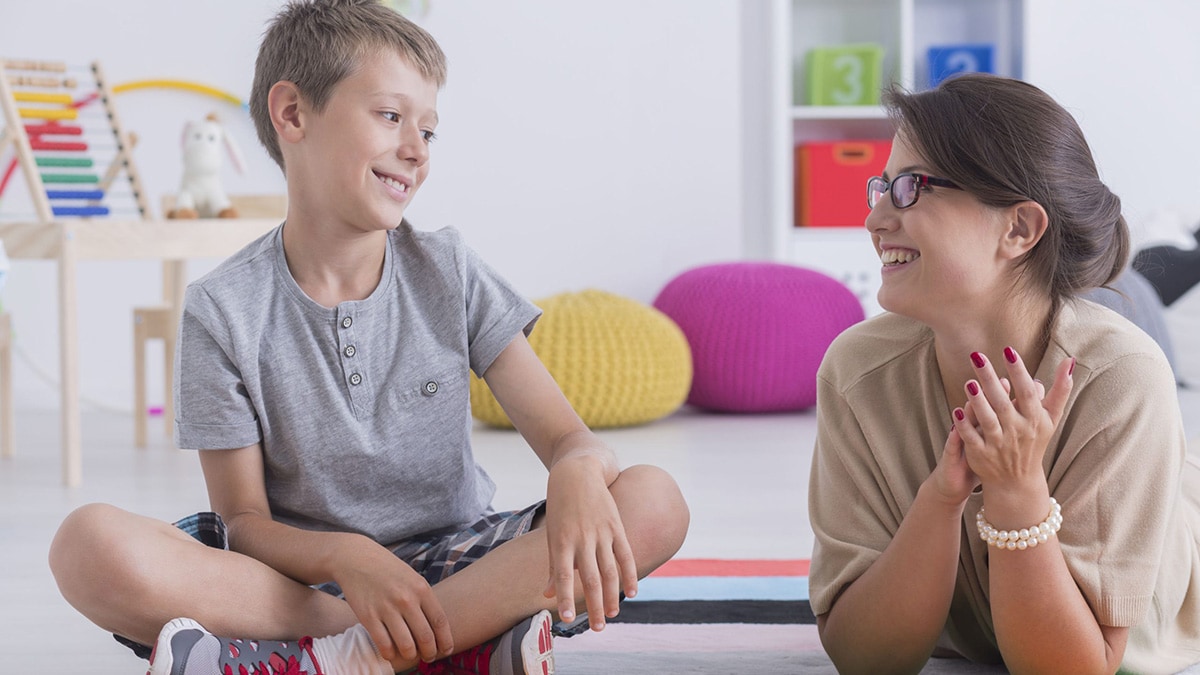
745 478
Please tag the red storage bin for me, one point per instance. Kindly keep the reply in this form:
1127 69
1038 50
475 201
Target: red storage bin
831 181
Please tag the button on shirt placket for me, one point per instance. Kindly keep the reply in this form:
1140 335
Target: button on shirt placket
349 350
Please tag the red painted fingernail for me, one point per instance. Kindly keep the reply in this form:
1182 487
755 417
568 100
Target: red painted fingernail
1010 355
973 388
958 414
1071 370
977 359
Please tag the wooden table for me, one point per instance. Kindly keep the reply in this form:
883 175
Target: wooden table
70 240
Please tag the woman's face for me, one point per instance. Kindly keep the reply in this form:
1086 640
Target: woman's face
941 255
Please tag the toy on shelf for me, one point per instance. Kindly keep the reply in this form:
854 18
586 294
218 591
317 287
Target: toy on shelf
201 193
845 75
947 60
54 146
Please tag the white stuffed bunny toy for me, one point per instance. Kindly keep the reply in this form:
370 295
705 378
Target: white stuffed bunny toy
201 194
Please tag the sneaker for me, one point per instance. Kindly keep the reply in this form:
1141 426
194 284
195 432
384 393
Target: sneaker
565 629
568 629
185 648
526 649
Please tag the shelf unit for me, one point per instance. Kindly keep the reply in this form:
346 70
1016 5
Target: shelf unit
777 35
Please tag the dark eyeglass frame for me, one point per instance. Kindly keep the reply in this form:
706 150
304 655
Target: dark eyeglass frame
877 184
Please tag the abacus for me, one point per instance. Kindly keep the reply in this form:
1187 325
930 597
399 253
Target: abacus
69 146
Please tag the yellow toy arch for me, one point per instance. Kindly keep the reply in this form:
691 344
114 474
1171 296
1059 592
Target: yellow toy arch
184 85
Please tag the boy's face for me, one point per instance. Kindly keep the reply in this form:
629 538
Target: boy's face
367 153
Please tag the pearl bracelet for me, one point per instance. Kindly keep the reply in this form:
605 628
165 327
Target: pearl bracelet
1019 540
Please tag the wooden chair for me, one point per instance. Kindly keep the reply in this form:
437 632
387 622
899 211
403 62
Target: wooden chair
7 437
152 323
161 322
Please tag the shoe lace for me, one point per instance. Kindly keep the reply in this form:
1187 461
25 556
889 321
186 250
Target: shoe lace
473 661
268 657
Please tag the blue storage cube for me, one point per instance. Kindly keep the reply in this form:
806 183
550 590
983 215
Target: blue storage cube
947 60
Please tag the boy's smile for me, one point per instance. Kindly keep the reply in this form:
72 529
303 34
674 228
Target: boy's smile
364 156
399 184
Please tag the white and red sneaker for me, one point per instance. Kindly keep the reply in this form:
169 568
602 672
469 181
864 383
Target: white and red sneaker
526 649
184 647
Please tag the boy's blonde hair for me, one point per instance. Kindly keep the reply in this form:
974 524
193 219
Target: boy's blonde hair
317 43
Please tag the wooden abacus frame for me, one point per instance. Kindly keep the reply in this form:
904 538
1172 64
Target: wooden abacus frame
18 133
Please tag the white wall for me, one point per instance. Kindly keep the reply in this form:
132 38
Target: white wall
1129 72
581 145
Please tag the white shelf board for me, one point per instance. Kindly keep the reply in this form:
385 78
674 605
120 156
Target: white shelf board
838 112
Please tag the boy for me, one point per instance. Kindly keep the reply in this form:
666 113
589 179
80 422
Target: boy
323 375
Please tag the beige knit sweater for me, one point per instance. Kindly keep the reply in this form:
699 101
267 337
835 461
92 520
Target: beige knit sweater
1131 501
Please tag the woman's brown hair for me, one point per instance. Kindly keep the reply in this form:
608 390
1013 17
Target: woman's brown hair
1006 141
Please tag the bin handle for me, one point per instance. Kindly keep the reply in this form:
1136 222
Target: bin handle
853 153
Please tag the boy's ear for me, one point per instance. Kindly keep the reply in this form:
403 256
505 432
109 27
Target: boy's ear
284 105
1027 222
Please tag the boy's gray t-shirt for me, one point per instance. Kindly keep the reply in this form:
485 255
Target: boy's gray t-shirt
363 410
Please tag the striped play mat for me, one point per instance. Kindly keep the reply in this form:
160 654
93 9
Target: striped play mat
722 591
716 617
707 616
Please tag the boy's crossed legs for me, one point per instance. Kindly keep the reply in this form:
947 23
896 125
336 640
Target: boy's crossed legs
132 575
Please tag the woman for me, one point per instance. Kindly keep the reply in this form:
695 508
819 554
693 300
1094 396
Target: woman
939 447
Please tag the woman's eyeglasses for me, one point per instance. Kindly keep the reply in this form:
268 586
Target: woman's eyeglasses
905 188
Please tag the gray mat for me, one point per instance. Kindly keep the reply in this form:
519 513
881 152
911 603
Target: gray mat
724 663
751 649
748 663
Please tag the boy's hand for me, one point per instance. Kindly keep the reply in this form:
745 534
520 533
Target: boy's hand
395 604
585 533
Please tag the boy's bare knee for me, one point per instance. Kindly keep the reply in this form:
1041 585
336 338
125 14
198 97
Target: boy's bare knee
653 487
81 533
654 512
89 552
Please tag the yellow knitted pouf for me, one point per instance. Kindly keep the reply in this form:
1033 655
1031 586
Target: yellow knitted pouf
618 362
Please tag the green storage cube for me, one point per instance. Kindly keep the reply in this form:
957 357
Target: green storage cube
845 75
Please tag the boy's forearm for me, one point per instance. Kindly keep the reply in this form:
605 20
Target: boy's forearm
306 556
583 449
890 618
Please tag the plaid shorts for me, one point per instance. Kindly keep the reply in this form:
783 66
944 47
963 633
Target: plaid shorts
438 555
434 556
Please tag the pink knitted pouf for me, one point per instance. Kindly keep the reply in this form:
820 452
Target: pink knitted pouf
757 332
